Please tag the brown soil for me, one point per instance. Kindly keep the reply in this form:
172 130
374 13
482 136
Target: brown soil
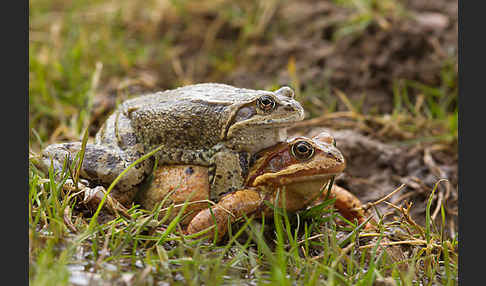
413 46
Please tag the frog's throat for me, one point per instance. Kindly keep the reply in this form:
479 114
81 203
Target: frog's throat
306 190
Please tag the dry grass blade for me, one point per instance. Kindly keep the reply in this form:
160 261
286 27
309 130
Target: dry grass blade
410 242
198 202
67 219
367 206
346 101
311 238
430 162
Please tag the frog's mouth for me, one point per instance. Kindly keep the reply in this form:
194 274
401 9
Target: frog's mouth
295 178
275 122
318 178
259 122
259 125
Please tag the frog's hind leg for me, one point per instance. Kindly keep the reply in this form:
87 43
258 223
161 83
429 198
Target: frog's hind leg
229 209
115 148
101 165
92 197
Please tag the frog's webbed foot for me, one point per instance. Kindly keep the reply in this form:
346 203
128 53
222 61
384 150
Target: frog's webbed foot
229 209
227 172
69 185
101 164
92 197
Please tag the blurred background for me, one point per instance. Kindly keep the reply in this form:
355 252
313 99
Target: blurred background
378 56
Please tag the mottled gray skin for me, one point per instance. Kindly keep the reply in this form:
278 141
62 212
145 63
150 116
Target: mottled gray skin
208 124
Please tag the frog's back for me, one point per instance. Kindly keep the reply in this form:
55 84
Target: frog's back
191 117
211 93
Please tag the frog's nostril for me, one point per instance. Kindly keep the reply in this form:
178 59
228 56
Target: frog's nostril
334 156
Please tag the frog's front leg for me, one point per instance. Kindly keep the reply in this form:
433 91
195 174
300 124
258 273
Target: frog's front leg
227 172
101 165
229 209
347 204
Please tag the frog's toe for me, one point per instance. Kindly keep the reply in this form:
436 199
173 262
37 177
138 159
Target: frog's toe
69 185
94 196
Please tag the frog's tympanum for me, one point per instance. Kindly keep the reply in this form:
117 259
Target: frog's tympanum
211 125
295 171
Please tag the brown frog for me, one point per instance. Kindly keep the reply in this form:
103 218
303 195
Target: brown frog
297 169
212 125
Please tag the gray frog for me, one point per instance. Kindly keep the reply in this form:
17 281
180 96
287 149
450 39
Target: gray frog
208 124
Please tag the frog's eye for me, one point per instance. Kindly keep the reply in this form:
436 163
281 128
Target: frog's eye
302 150
266 103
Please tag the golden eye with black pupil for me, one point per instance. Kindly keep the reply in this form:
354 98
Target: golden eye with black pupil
266 103
302 150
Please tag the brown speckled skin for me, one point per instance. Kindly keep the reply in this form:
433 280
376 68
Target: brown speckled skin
208 124
276 171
